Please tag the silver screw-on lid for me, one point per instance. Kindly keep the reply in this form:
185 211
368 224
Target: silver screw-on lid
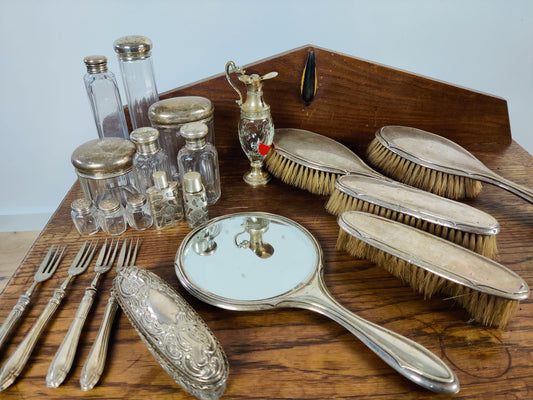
192 182
137 200
194 130
133 47
82 205
160 179
145 139
95 64
109 206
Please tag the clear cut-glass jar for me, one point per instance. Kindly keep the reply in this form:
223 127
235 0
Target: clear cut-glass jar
105 169
84 216
138 212
111 217
169 115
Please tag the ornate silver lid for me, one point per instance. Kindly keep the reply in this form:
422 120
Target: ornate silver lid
81 205
180 110
103 158
173 332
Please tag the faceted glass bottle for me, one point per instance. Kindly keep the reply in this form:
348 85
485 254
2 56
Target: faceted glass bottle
104 97
149 158
200 156
135 61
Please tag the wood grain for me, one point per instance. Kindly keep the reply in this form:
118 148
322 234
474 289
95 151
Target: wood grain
297 354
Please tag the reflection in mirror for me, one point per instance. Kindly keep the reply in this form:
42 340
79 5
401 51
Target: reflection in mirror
233 272
204 243
255 227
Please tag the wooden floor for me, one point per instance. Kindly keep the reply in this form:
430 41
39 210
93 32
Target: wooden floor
13 248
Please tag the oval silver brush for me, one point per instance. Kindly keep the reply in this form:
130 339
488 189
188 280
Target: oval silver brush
311 161
489 291
457 222
434 163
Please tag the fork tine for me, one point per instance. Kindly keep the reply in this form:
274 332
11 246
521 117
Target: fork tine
88 256
52 266
127 261
44 263
134 256
101 255
114 253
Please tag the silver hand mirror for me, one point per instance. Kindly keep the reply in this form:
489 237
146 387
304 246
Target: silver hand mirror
257 261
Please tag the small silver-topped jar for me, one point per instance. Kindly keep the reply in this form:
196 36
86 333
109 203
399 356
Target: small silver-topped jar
169 115
111 216
84 216
105 169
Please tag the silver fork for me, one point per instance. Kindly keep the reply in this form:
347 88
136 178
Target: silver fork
94 365
45 271
62 361
16 362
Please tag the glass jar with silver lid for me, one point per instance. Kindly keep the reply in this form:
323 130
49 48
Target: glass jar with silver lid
105 169
138 212
84 216
111 217
169 115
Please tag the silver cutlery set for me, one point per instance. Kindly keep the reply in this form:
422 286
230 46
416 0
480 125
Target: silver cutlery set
63 359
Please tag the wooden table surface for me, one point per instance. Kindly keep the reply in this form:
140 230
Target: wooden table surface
294 354
298 354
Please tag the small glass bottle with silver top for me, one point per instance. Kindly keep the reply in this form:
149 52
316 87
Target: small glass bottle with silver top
165 202
135 61
111 216
104 97
200 156
149 158
138 212
195 199
84 216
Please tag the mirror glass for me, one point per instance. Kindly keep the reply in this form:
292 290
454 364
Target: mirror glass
248 257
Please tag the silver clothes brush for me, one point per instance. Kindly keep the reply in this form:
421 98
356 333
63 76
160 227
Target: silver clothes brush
449 219
311 161
434 163
489 291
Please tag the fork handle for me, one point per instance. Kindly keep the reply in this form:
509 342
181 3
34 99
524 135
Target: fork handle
95 363
13 317
64 357
17 361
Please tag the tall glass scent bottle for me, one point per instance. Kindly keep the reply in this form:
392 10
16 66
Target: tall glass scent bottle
104 97
195 199
135 61
165 202
200 156
256 129
149 158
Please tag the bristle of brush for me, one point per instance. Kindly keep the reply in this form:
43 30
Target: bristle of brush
399 168
489 310
292 173
485 245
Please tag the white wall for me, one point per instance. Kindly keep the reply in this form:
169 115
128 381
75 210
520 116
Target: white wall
44 113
